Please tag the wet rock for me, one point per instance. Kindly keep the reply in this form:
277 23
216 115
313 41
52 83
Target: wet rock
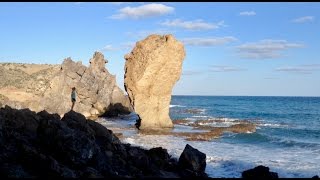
114 110
259 172
75 147
192 159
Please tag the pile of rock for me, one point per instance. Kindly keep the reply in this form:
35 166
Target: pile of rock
43 145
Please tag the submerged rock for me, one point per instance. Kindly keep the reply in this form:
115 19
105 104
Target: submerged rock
151 70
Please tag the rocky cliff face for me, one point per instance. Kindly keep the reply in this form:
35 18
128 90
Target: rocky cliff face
50 89
151 70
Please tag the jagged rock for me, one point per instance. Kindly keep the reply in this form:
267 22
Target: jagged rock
95 88
49 88
74 147
259 172
151 70
192 159
315 177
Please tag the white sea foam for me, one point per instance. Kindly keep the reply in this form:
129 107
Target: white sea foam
229 160
272 125
173 105
200 116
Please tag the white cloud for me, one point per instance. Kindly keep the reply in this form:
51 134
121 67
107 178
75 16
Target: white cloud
247 13
265 49
190 72
301 69
143 11
128 45
198 24
303 19
219 68
109 48
208 41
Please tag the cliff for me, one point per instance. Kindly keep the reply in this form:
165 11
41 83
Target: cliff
48 87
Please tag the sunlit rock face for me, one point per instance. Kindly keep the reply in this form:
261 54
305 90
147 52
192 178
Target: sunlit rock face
151 70
48 87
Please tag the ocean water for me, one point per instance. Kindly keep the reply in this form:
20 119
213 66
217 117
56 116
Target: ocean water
287 136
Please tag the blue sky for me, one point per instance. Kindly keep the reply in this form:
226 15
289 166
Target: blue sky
259 49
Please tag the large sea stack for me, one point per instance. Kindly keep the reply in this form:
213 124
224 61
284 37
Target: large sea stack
151 70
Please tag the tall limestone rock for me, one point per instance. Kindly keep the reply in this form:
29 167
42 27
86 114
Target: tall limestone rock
151 70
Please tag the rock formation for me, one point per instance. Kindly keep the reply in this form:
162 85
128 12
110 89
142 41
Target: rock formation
259 172
50 88
41 145
151 70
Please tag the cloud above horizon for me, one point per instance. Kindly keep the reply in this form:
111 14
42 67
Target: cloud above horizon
198 24
213 41
247 13
301 69
108 47
221 68
303 19
265 49
143 11
190 72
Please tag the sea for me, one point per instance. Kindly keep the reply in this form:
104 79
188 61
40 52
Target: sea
287 136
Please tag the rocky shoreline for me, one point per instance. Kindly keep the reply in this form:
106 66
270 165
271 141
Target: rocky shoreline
45 145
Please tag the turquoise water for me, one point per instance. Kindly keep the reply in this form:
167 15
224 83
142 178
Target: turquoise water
287 137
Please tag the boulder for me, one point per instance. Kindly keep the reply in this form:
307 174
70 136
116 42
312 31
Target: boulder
151 70
259 172
193 160
75 147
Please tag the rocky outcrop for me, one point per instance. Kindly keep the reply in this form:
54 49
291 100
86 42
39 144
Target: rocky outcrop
151 70
193 160
259 172
41 145
49 88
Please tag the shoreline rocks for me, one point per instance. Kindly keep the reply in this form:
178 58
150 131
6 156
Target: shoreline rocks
42 145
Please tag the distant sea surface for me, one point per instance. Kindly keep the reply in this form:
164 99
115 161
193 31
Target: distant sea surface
287 137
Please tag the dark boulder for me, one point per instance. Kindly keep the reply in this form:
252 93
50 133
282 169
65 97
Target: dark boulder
192 160
258 173
114 110
75 147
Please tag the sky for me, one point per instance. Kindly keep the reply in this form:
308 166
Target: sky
232 48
